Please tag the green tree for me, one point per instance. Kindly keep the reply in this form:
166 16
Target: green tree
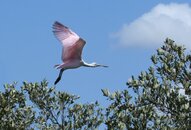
58 110
49 110
15 114
162 95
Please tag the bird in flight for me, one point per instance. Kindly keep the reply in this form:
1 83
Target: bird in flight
72 46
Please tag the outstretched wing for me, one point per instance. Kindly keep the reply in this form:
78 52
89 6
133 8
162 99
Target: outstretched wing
71 42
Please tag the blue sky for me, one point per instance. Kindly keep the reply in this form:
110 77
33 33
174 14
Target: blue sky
29 50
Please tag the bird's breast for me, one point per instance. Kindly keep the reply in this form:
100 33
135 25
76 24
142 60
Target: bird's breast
73 64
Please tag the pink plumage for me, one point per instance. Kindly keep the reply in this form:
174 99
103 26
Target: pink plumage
71 42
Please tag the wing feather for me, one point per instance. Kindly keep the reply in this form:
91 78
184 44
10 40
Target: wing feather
72 43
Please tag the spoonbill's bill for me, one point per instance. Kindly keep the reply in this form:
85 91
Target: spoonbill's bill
72 46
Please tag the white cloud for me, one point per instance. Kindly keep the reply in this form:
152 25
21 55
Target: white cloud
164 20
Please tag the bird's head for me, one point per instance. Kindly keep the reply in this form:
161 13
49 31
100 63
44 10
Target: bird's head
98 65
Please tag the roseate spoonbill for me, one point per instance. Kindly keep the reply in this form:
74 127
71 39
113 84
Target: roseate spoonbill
72 46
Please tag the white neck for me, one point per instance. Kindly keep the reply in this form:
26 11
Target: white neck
92 64
89 64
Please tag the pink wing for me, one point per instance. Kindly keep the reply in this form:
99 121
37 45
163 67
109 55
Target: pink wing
72 43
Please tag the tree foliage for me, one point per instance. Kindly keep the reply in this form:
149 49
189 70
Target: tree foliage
158 98
50 109
162 94
14 112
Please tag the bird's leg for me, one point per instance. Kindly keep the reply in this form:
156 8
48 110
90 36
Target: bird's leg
59 77
59 66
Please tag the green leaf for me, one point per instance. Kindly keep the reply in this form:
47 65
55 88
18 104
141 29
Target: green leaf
105 92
